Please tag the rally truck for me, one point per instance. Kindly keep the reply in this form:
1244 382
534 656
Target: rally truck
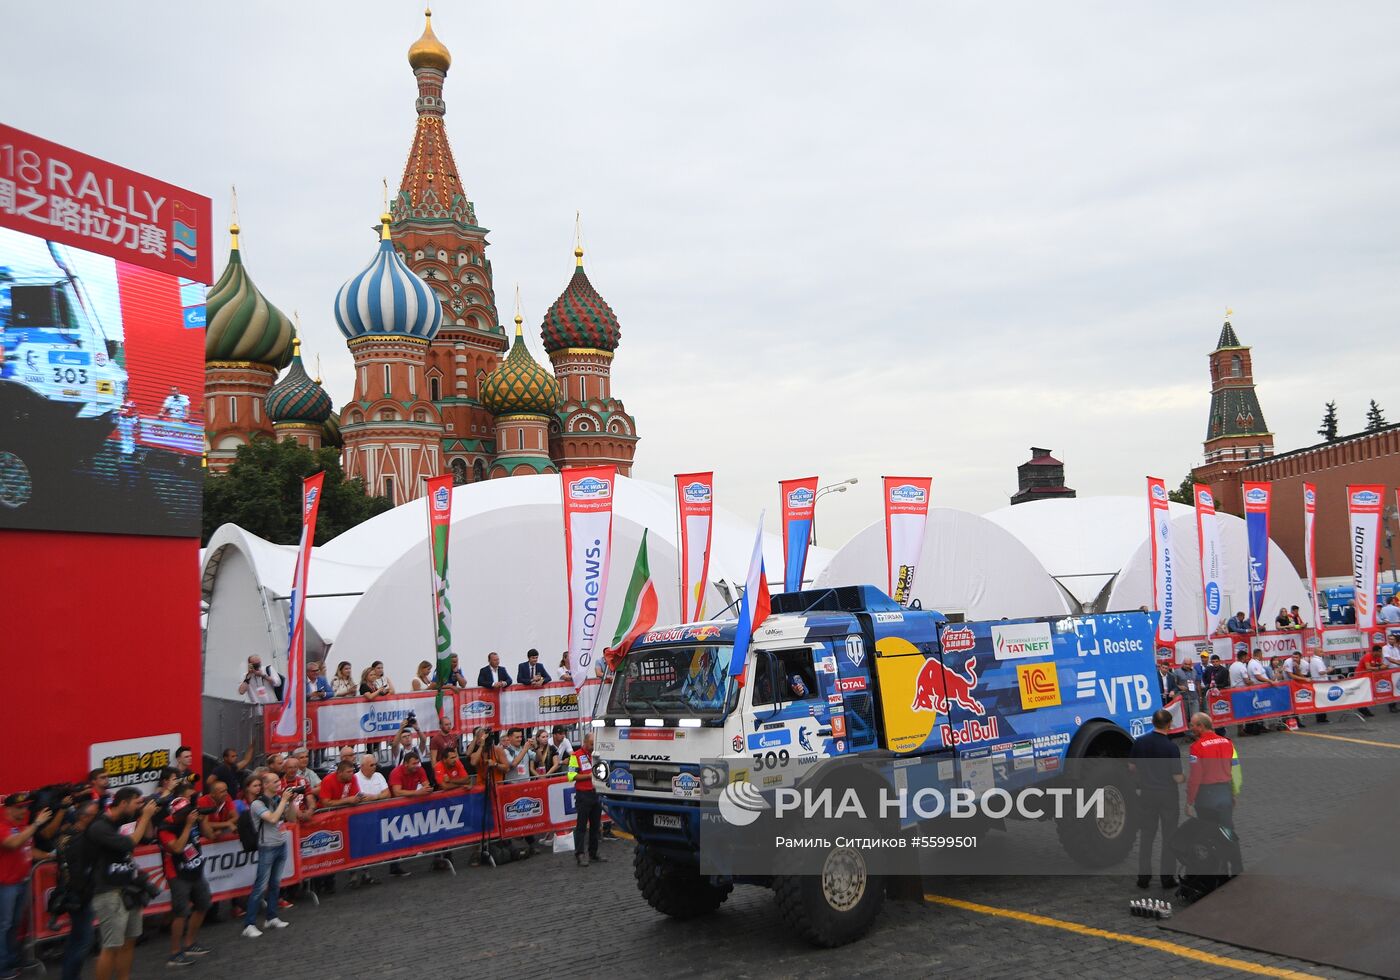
902 693
60 386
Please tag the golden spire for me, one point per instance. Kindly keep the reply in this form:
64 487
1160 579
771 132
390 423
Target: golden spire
1229 312
518 318
578 240
233 222
385 217
318 368
296 335
428 51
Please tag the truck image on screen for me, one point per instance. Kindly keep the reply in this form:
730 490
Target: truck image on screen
846 677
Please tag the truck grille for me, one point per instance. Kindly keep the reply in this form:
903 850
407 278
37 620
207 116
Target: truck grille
655 776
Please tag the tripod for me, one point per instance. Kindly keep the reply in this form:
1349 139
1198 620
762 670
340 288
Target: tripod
484 855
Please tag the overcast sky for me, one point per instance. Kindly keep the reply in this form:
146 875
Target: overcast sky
844 239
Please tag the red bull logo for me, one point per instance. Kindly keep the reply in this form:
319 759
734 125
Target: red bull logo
937 687
704 632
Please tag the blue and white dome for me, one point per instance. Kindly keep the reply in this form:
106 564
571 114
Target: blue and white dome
387 299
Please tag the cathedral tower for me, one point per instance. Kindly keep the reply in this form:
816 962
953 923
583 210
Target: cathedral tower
1236 433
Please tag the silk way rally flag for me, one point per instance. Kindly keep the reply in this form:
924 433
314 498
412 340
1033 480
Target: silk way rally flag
290 723
639 609
439 498
753 606
1163 560
1212 560
1256 520
906 520
588 502
695 494
1364 510
799 499
1310 549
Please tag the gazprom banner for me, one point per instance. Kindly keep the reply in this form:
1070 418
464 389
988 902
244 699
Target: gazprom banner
1256 702
361 720
1163 585
1256 519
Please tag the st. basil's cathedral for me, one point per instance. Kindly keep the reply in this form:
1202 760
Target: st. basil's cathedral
438 386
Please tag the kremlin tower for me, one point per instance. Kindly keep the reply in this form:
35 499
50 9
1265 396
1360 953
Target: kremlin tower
1236 434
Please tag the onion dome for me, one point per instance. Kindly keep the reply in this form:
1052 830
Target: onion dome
241 324
428 51
580 317
386 299
519 385
296 398
330 431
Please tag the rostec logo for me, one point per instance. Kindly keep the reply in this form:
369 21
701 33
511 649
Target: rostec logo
1364 498
1257 496
800 497
907 493
525 808
590 488
696 493
1159 492
958 639
442 498
322 842
1206 500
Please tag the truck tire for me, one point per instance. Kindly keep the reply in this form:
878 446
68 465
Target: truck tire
676 890
836 907
1099 842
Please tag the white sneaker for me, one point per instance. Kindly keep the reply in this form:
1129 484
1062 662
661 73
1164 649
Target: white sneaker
276 923
251 932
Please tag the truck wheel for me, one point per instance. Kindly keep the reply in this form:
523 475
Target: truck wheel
675 890
1101 841
16 481
835 907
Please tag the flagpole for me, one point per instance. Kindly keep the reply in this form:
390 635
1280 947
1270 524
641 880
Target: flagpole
432 578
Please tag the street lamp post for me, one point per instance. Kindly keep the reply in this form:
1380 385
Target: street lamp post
829 488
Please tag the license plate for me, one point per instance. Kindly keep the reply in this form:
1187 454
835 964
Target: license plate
666 821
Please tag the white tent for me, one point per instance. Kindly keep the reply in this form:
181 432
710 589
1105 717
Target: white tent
969 566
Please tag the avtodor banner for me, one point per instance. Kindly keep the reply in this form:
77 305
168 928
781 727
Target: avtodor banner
1310 550
695 496
1163 567
1212 561
588 493
291 723
799 498
1364 512
906 521
1256 520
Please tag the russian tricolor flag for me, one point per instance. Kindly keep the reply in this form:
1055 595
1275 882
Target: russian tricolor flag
753 607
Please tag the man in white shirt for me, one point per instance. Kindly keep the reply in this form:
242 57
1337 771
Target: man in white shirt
1239 670
1390 656
176 405
1306 669
260 683
369 781
1258 670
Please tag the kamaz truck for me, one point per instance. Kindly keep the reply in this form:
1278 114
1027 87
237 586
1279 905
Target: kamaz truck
847 675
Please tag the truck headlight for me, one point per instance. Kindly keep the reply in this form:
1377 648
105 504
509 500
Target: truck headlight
600 770
710 777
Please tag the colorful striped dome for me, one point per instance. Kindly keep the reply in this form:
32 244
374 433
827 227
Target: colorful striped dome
519 385
241 324
580 317
296 398
387 299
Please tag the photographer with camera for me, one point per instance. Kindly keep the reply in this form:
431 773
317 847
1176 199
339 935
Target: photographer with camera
120 888
272 814
261 685
16 856
183 856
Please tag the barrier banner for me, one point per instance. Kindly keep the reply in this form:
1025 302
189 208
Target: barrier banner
291 725
1176 707
477 706
1364 514
548 704
906 522
1340 639
1212 560
350 720
695 495
1256 519
408 826
1189 649
1163 588
1275 643
1248 703
439 497
1386 686
588 502
1352 692
535 806
799 499
1310 553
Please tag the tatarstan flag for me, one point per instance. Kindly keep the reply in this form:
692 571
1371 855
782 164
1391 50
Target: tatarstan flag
638 611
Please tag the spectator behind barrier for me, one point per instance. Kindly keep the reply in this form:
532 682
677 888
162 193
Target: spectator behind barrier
1240 624
520 757
343 684
531 671
230 769
220 816
317 687
493 675
373 683
564 675
1295 619
423 680
451 773
260 685
302 756
456 681
339 789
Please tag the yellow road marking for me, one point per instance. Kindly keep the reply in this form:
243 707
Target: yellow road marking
1161 945
1344 738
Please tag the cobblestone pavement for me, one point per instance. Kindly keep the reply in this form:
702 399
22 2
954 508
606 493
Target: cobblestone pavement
546 917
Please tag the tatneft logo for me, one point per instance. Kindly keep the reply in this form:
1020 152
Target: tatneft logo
1365 497
590 488
696 493
442 497
907 493
322 842
1257 495
1159 493
800 497
1206 500
525 808
1022 640
372 722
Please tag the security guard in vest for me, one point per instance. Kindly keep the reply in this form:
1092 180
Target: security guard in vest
587 806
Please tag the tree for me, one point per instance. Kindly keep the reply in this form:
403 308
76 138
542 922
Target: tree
1375 418
261 493
1329 422
1186 493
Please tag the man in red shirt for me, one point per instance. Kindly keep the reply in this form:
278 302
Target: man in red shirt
339 789
451 774
220 816
409 779
16 835
1215 778
1369 663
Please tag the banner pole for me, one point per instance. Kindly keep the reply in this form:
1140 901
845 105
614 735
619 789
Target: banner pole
680 555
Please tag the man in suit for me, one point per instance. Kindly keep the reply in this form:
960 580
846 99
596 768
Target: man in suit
493 675
531 671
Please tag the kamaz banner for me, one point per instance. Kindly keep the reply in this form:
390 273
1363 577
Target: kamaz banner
439 497
1212 559
1310 553
1364 511
695 496
1256 519
291 724
588 493
906 522
1163 560
799 499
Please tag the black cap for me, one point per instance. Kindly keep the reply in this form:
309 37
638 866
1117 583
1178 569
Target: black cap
18 799
558 730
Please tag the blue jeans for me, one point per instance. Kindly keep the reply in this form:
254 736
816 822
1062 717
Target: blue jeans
13 899
267 884
79 944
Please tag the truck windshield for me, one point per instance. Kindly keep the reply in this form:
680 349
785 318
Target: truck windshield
671 681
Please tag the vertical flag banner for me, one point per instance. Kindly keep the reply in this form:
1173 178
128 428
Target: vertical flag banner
588 501
439 498
753 606
1212 561
1256 520
1364 511
906 520
799 499
290 723
1163 561
639 609
695 495
1310 550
